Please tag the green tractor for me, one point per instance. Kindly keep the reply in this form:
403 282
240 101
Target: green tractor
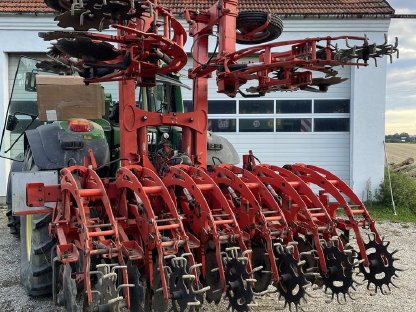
37 139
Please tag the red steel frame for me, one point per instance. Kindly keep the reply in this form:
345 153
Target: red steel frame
137 175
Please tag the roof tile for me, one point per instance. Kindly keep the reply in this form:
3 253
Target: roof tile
284 7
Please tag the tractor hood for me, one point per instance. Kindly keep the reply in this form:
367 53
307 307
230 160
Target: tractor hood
220 150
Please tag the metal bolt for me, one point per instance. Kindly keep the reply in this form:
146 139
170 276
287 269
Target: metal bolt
144 117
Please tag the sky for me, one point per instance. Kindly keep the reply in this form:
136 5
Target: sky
401 75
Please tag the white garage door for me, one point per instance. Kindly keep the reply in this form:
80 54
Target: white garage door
284 128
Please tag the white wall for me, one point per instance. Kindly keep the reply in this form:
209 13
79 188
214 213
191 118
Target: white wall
19 34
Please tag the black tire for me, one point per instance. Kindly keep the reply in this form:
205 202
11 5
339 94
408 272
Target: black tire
35 247
247 21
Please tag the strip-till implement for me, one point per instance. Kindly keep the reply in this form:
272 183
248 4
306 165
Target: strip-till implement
170 231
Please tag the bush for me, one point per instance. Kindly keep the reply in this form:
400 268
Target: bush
404 190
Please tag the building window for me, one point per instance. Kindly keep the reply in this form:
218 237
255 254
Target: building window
332 124
332 106
222 107
256 106
256 125
293 106
294 125
222 125
188 106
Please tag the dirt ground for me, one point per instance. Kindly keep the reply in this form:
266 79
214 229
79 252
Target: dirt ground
397 152
402 237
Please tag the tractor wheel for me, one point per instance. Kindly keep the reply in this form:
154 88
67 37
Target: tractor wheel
35 247
247 21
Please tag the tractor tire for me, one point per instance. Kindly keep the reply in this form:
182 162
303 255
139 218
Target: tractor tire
35 247
247 21
13 222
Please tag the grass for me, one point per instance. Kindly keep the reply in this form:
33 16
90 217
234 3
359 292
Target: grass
382 213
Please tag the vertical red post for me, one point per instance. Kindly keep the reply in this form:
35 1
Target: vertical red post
200 100
128 131
227 26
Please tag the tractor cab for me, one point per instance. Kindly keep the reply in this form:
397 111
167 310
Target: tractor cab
27 118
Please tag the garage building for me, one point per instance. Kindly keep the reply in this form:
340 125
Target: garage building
341 130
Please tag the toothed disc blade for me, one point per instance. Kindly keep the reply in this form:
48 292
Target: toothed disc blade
181 288
81 20
212 278
380 271
292 278
55 35
54 67
239 291
323 84
138 291
339 271
327 81
118 9
158 301
57 5
260 258
305 246
67 292
88 50
53 52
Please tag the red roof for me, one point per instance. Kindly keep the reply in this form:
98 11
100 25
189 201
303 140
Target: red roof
284 7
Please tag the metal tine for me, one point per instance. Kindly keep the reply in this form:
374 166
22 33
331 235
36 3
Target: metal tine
306 253
187 254
243 259
383 291
96 273
75 5
203 290
349 295
81 17
118 267
246 252
224 254
124 286
394 285
357 263
257 269
197 265
193 303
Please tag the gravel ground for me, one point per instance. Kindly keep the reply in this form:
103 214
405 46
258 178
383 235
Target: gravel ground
401 235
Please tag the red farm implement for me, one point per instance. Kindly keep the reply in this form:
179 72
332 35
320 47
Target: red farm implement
171 229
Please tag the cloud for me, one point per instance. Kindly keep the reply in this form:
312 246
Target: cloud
401 75
401 120
403 6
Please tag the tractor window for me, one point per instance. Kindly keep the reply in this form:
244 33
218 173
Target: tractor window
22 110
